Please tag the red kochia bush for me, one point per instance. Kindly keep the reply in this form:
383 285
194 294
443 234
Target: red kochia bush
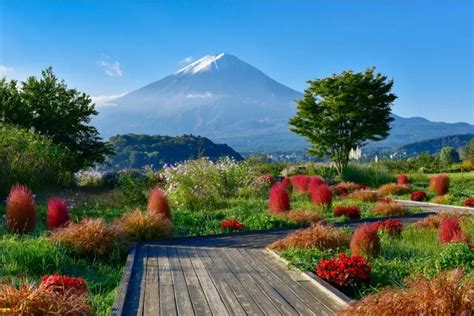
158 203
231 224
286 182
352 212
402 179
314 181
300 182
440 184
61 283
418 196
279 200
21 210
391 226
322 195
469 202
365 242
450 231
58 213
344 271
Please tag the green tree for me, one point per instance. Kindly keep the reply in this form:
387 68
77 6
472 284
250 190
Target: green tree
344 111
468 151
52 109
448 156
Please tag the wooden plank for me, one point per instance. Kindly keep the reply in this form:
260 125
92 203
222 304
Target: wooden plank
143 281
264 295
119 303
246 300
183 300
198 298
167 301
151 300
279 285
213 298
230 300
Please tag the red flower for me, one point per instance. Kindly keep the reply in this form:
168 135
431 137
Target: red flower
231 224
418 196
469 202
344 271
391 226
63 283
352 212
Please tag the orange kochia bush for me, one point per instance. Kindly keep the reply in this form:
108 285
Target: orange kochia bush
365 241
21 212
393 189
402 179
303 217
158 203
389 208
440 184
364 195
279 201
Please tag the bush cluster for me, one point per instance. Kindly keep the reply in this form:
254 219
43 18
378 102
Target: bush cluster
352 212
344 271
365 242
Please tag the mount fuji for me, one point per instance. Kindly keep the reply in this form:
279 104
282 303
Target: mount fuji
228 100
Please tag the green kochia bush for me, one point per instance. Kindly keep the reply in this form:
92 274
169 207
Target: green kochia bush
371 175
30 159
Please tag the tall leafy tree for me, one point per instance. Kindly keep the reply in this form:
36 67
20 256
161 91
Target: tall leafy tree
448 156
49 107
344 111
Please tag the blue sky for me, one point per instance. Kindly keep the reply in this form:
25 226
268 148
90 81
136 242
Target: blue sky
107 48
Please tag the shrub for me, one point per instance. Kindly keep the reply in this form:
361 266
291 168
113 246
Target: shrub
385 200
418 196
21 212
317 236
231 225
391 226
455 255
469 202
303 217
433 221
158 203
352 212
365 242
402 179
286 182
446 294
443 199
300 182
314 182
62 283
28 300
58 213
279 200
450 231
364 195
344 188
322 195
134 184
267 179
440 184
344 271
393 189
91 237
371 175
141 226
389 209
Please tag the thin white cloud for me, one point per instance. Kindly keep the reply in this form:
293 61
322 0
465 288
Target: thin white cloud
6 71
111 68
106 100
186 60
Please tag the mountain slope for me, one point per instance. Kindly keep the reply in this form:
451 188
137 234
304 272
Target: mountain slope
230 101
435 145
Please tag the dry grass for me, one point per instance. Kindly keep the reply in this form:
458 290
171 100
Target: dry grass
141 226
433 221
91 237
303 217
389 209
317 236
393 189
446 294
29 300
365 242
364 195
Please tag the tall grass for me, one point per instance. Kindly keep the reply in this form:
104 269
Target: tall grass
371 175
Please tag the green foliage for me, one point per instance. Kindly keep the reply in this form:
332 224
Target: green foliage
344 111
423 163
30 159
455 255
434 146
51 108
134 184
138 151
468 151
448 156
371 175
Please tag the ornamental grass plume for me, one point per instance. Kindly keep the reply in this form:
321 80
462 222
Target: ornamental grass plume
141 226
317 236
279 201
314 182
322 195
58 213
303 217
364 195
21 212
365 242
418 196
402 179
392 208
448 293
352 212
393 189
158 203
300 182
450 231
344 271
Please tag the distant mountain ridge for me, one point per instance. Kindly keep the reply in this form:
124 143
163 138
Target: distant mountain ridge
229 101
435 145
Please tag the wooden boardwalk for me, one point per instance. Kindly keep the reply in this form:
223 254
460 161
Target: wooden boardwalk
230 274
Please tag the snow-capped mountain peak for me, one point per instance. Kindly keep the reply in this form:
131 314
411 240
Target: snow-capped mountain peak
200 65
